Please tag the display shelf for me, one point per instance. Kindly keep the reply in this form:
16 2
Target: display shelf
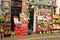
56 23
55 29
5 7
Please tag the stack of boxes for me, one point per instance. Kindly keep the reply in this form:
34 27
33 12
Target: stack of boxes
18 30
21 30
21 27
25 28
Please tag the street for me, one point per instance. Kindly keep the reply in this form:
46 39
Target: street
52 36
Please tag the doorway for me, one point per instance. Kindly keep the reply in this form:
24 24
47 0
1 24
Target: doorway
14 12
30 25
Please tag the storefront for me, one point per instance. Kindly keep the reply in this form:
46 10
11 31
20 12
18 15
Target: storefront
9 10
44 8
16 9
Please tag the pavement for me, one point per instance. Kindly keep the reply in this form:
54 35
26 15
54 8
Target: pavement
51 36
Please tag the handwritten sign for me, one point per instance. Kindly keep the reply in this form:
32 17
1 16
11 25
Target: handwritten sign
0 2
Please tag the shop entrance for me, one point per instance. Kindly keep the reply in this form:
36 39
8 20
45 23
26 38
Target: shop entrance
15 12
30 25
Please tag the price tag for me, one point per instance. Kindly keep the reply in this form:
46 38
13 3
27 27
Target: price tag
15 20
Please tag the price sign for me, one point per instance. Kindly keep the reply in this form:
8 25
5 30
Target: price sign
0 2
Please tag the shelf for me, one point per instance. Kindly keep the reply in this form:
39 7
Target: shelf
56 29
57 23
56 18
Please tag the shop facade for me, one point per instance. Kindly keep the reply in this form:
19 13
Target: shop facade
38 12
43 6
11 9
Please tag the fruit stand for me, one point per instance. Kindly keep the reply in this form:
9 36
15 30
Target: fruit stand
44 18
56 23
7 26
24 20
7 17
53 22
21 27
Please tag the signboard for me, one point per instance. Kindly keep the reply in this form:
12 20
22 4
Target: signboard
15 20
43 2
0 2
16 3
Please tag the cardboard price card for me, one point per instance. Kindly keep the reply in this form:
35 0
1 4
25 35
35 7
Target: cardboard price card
15 20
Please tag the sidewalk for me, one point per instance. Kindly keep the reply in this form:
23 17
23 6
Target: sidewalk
36 37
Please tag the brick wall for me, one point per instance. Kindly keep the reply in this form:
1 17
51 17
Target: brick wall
23 6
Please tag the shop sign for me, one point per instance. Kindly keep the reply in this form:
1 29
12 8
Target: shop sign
16 3
44 2
0 2
15 20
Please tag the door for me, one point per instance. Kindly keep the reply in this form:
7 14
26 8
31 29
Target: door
30 25
15 12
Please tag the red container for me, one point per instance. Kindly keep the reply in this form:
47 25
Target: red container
19 34
25 28
25 34
18 29
24 31
7 32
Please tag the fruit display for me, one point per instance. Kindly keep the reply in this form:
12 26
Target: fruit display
21 27
6 8
56 20
56 16
56 26
44 25
13 34
2 19
6 12
6 5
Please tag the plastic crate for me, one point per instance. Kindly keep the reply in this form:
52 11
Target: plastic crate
19 34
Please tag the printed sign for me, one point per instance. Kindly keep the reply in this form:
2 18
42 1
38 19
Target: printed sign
0 2
15 20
